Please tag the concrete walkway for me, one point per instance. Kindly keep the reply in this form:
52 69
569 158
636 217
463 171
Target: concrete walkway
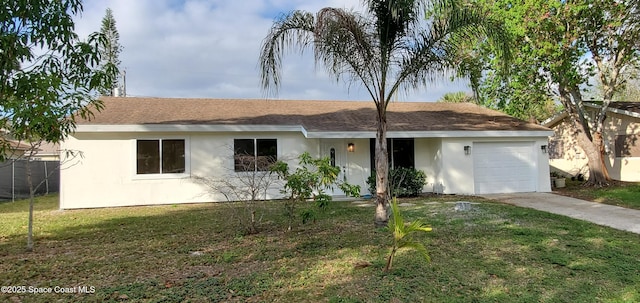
608 215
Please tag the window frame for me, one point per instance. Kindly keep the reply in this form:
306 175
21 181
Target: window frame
161 175
255 153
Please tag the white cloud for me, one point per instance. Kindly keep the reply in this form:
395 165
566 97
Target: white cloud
198 48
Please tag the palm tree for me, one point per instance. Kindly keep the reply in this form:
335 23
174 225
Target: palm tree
402 235
393 45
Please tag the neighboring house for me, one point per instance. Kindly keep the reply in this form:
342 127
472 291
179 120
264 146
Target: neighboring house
621 135
16 149
143 151
44 152
47 152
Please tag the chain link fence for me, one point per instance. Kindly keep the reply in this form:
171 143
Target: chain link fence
13 178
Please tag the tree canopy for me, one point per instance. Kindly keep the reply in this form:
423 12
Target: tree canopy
110 51
559 48
47 76
46 72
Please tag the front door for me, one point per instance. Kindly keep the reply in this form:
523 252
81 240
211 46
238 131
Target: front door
335 150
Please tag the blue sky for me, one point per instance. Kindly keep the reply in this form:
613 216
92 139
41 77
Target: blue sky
209 49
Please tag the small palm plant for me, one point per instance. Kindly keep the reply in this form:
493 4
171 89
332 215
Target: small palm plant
402 235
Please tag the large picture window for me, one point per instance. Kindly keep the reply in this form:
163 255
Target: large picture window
401 153
162 156
254 154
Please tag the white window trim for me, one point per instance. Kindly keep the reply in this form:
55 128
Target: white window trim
187 160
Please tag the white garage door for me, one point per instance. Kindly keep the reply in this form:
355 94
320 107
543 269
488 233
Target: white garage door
504 167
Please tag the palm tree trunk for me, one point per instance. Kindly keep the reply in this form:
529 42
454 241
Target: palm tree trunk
382 168
390 259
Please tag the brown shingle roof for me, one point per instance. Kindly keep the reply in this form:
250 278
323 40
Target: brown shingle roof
312 115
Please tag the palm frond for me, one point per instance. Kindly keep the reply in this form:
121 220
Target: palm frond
417 225
472 23
433 51
418 247
294 30
396 224
344 43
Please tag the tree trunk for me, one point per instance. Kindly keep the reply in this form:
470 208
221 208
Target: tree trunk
599 144
31 202
253 226
597 170
382 168
591 143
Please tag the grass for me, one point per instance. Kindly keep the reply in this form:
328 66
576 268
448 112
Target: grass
625 194
175 253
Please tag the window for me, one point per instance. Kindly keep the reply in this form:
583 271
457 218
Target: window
401 153
332 155
555 149
160 156
254 154
627 146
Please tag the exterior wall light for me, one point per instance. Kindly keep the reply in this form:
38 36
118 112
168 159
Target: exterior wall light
543 148
467 150
351 147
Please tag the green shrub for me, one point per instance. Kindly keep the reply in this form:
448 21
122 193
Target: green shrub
403 182
309 181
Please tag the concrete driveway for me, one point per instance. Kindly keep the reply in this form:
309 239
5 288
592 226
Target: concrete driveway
602 214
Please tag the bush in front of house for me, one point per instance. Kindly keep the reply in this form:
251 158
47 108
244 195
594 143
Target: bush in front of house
403 182
309 181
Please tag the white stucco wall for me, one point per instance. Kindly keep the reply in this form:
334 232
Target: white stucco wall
358 164
428 158
621 168
457 169
457 172
624 168
105 175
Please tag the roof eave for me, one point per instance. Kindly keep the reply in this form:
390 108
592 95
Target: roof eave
555 119
170 128
614 110
137 128
435 134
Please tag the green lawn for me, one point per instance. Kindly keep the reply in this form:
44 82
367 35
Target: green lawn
175 253
625 194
